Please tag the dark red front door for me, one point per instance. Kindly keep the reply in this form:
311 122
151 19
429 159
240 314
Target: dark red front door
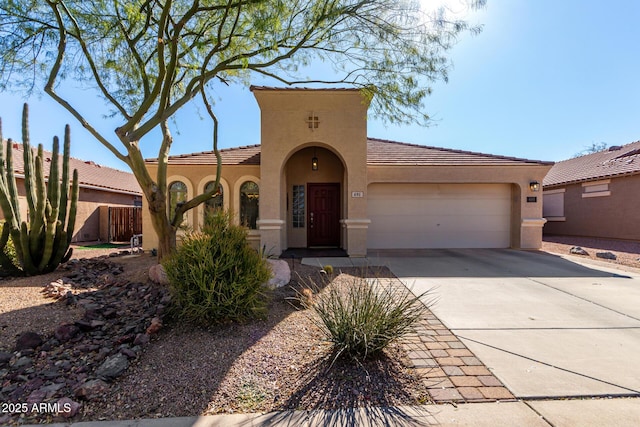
324 215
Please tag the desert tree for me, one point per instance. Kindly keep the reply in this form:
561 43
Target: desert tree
149 58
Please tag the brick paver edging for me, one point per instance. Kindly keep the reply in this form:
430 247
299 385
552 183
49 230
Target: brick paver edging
451 371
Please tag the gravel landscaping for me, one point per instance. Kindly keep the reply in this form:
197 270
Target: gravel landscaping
95 352
626 252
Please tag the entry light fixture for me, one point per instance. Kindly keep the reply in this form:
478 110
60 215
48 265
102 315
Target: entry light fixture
534 186
314 161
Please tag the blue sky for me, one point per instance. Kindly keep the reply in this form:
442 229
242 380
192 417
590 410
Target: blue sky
544 80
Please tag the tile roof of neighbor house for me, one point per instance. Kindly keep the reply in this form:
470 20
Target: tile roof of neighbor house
616 161
379 153
90 174
300 88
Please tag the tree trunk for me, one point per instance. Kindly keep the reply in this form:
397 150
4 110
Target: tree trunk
163 228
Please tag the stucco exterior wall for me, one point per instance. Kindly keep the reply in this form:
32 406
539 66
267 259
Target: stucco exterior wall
526 217
342 129
298 172
614 216
88 213
196 177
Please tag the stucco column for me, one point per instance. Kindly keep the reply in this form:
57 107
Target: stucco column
531 233
356 236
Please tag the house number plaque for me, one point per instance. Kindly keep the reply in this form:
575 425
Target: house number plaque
357 194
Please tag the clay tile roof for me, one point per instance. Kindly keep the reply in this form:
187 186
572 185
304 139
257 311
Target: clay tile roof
90 174
383 152
246 155
293 89
617 160
379 152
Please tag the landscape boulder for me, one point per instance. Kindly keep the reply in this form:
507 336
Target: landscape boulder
64 333
577 250
113 367
28 340
91 389
606 255
281 273
158 275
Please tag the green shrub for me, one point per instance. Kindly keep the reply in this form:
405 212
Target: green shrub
9 262
360 318
216 276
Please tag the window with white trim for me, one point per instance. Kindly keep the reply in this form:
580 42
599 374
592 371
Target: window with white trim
298 206
249 204
553 204
177 197
216 202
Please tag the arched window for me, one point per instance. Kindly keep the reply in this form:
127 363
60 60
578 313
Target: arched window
177 195
249 204
216 202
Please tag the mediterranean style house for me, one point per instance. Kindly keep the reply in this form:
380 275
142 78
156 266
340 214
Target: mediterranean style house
316 180
595 195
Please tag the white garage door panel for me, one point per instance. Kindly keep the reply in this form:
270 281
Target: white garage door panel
439 216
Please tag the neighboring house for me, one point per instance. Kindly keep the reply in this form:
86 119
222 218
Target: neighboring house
316 180
101 188
596 195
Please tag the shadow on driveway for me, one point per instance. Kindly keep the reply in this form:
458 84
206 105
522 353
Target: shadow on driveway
480 263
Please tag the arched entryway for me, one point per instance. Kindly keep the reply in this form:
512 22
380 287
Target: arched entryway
315 186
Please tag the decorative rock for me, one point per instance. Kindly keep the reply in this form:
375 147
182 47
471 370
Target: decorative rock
51 390
128 352
84 325
68 408
57 289
113 367
156 325
606 255
141 339
281 273
23 362
5 357
64 333
91 389
577 250
158 275
28 340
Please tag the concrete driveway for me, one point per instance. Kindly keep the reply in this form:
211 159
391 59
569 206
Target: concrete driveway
545 325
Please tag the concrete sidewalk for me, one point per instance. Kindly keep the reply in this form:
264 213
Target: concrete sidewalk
603 412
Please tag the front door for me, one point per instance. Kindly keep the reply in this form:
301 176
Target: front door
324 215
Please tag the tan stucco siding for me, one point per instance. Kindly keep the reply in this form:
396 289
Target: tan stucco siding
285 131
525 216
413 216
196 177
298 172
88 212
614 216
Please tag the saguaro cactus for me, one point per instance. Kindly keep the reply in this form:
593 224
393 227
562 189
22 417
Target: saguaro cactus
43 243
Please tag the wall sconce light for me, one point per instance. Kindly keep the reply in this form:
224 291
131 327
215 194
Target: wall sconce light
534 186
314 161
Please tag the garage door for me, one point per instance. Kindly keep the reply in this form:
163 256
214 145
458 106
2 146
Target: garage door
439 216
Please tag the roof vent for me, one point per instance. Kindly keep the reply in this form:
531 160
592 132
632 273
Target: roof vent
615 148
15 146
89 162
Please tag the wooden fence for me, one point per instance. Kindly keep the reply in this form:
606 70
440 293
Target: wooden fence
124 222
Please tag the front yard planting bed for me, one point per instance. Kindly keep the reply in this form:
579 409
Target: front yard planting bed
105 353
